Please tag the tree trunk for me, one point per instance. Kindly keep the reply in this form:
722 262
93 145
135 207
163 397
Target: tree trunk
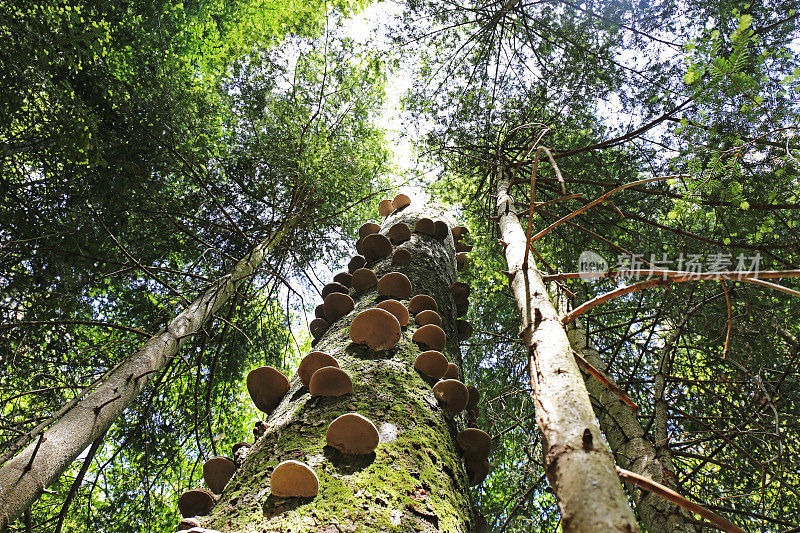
415 480
632 450
23 478
577 462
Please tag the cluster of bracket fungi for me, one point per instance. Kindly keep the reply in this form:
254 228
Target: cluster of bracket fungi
380 328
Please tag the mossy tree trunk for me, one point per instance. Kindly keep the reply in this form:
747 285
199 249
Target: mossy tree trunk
415 480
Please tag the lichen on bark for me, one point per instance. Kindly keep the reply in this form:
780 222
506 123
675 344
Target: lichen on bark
415 480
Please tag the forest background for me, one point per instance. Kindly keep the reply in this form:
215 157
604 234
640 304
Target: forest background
146 146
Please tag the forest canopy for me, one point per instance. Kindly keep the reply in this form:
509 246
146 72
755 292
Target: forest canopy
146 147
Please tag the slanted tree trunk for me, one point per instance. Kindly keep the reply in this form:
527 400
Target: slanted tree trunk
632 449
577 462
25 476
416 479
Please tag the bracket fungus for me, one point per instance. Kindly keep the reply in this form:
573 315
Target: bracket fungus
399 233
267 386
431 363
464 329
318 327
358 261
313 362
217 471
332 287
477 470
463 247
394 285
401 256
377 328
459 232
319 311
337 305
461 309
424 226
397 309
345 278
330 381
453 394
460 291
188 523
375 246
353 434
293 479
385 208
426 317
452 372
195 502
400 201
431 336
421 302
475 443
368 229
363 279
462 261
440 230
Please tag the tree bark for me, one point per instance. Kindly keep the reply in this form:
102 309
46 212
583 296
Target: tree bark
24 477
415 480
577 462
632 449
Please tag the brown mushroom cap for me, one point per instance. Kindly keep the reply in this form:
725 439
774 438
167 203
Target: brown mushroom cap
188 523
344 278
368 229
217 471
462 247
318 327
330 381
475 444
337 305
452 393
377 328
431 336
401 256
358 261
363 279
426 317
385 208
462 261
353 434
421 302
238 446
424 226
394 285
293 479
360 246
195 502
375 246
477 470
452 372
398 233
431 363
400 201
267 386
474 397
460 291
334 287
441 230
461 309
313 362
397 309
319 311
459 232
464 330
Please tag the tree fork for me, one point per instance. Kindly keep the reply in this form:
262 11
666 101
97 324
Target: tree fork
416 479
24 477
578 465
